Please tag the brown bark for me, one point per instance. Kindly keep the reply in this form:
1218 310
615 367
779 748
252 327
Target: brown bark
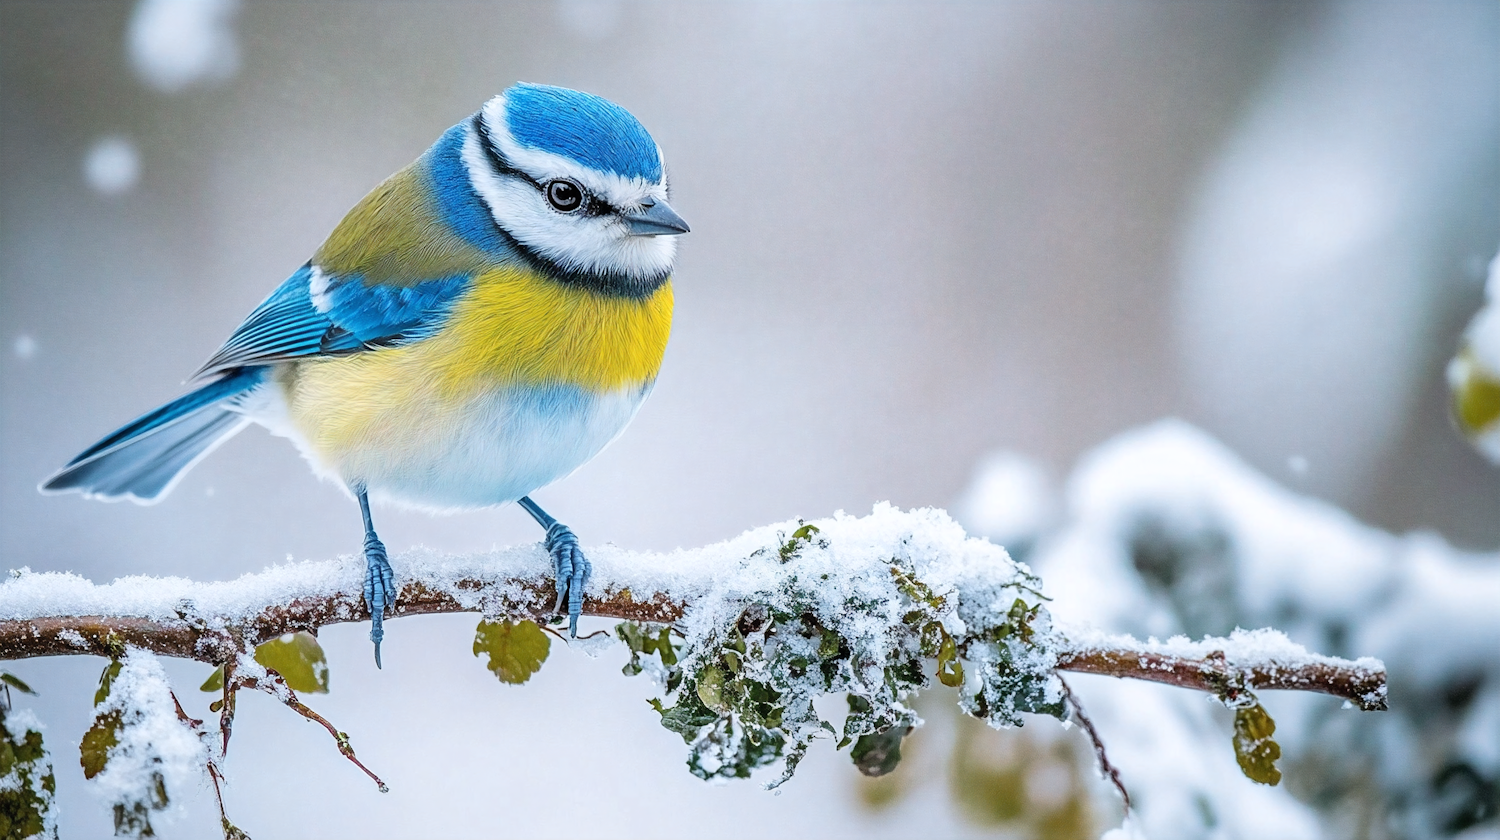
194 638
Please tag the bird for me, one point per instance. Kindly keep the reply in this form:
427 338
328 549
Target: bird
478 326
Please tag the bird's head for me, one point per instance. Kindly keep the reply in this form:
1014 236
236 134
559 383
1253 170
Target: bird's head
578 183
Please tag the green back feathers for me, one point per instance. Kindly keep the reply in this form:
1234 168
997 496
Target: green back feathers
394 236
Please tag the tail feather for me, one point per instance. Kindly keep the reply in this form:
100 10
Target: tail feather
143 459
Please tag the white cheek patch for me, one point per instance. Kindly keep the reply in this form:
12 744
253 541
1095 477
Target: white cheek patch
576 241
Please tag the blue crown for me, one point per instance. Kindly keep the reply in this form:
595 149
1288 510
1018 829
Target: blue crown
589 129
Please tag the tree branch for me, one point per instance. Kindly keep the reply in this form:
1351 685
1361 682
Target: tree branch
1360 682
216 639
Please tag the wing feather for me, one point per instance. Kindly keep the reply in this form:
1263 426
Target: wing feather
342 315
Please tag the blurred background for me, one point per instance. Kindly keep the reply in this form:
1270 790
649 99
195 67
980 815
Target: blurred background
922 233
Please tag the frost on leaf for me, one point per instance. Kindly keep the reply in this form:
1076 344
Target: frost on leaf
516 650
297 657
138 747
27 785
93 750
863 607
648 643
1012 663
1254 747
876 753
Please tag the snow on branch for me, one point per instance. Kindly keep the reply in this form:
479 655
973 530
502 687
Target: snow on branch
741 636
1246 660
55 614
1263 659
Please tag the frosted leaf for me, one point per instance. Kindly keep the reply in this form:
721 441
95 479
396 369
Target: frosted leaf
27 783
1326 581
852 606
152 751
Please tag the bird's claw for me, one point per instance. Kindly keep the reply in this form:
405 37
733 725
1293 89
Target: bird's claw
380 588
572 569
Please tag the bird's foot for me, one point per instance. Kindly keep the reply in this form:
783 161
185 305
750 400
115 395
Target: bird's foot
380 588
572 570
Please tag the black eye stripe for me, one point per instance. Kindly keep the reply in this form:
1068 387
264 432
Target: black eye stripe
591 204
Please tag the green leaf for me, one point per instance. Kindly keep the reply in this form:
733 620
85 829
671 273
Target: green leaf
93 751
664 648
633 635
297 657
800 537
106 680
687 718
931 638
1253 746
516 650
878 753
829 644
133 819
917 591
711 689
27 797
950 670
729 751
641 642
15 682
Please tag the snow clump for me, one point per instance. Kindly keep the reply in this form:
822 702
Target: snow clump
847 605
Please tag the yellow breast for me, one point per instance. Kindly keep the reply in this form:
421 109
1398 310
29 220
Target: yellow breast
517 327
514 329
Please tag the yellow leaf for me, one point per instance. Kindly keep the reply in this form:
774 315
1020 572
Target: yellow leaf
950 671
93 751
1253 746
516 650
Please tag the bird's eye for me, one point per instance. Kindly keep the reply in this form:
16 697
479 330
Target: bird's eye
565 196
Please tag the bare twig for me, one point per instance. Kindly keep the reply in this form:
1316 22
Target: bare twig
215 774
226 711
275 686
1106 767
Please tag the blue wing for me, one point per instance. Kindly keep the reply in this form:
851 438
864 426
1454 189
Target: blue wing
342 315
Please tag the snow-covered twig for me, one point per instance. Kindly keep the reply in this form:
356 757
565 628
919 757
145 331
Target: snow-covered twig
216 622
1246 661
761 627
216 639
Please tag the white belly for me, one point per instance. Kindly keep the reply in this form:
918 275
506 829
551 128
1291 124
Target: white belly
492 449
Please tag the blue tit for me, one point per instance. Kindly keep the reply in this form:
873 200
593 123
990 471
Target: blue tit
479 326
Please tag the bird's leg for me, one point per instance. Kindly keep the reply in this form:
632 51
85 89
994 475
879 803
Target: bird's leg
572 568
380 582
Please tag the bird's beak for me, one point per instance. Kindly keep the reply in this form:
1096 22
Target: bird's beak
654 218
